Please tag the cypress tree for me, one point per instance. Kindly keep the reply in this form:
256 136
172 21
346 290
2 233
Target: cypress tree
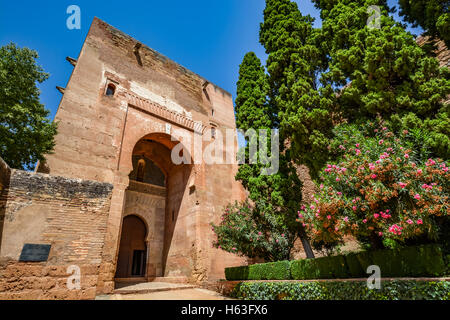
296 57
432 15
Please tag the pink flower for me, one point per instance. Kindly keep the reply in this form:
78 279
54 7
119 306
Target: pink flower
373 176
354 208
406 156
380 234
357 145
417 196
376 215
380 142
282 235
395 229
329 217
409 221
402 185
346 219
259 233
419 221
337 179
365 220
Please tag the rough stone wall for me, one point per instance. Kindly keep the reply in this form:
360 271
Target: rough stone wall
70 215
97 135
5 173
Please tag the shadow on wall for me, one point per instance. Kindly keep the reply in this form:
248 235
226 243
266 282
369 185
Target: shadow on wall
176 198
5 173
152 165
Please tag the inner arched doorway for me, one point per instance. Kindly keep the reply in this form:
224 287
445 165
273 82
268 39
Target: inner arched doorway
132 260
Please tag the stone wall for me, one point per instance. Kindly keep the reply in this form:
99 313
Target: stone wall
154 98
5 173
70 215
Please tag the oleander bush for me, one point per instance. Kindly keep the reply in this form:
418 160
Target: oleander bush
417 261
382 190
343 290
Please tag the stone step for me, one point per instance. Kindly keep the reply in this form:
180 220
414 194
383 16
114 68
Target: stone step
149 287
182 280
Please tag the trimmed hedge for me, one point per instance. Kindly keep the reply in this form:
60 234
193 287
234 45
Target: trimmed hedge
343 290
426 260
266 271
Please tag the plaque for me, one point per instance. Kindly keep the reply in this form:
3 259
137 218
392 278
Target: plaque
35 252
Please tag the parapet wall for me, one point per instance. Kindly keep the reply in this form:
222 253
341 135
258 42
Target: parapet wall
68 214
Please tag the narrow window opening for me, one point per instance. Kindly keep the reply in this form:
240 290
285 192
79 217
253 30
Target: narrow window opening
173 215
140 171
213 132
110 90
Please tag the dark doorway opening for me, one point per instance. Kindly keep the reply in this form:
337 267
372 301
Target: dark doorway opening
132 260
138 267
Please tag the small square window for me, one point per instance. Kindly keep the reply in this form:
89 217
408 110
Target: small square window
110 90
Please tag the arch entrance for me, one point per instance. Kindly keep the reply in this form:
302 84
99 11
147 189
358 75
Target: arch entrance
155 197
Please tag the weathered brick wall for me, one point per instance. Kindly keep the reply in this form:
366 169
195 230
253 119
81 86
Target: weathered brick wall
69 214
5 172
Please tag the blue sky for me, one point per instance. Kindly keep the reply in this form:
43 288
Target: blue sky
209 37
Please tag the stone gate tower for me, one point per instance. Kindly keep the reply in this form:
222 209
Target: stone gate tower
123 111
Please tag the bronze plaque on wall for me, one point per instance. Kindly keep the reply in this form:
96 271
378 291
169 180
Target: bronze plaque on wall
35 252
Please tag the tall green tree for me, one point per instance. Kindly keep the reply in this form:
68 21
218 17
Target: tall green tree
432 15
296 57
26 133
264 227
383 72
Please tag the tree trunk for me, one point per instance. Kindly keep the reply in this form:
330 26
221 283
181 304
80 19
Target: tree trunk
306 244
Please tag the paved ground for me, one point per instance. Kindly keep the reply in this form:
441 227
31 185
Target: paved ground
161 291
185 294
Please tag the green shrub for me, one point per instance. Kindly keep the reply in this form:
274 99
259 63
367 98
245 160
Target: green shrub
418 261
354 266
265 271
347 290
270 271
302 269
236 273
